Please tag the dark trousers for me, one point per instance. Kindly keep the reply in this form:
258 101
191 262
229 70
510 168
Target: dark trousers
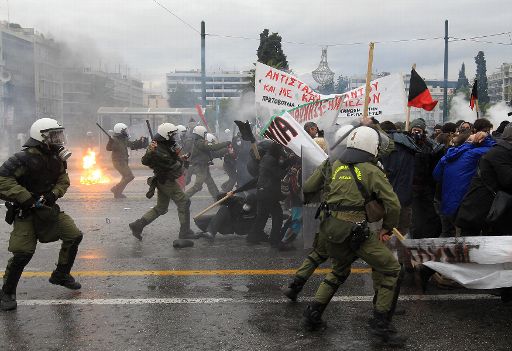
267 206
221 222
425 221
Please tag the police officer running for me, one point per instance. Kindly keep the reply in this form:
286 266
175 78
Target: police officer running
162 156
31 181
356 181
119 144
200 161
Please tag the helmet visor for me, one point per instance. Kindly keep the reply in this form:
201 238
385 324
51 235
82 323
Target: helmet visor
55 137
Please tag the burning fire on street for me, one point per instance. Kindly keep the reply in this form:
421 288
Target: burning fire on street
92 173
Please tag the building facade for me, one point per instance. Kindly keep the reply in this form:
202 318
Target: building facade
219 85
18 105
500 84
85 91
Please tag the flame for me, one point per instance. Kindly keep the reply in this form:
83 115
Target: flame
92 173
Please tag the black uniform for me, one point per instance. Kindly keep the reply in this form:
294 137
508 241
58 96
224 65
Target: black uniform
268 194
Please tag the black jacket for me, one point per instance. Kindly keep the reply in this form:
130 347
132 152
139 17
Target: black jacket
496 173
398 167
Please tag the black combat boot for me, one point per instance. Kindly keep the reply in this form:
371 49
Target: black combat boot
61 275
137 227
185 231
312 317
12 276
295 287
380 326
7 301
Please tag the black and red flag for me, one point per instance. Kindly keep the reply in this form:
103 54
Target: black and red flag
419 95
474 96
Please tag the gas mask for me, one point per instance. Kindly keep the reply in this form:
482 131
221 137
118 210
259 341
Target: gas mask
246 207
63 153
56 140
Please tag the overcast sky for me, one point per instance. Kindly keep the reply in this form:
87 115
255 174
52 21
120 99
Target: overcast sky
152 42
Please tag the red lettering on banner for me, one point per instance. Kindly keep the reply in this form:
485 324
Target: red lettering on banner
284 128
355 103
376 85
361 91
321 108
353 94
285 92
306 89
269 74
268 134
334 104
283 76
299 84
376 98
292 81
269 88
274 133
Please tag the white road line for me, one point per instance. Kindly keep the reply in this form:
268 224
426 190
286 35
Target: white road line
210 300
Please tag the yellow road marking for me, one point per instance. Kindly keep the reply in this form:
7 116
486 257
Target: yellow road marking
180 273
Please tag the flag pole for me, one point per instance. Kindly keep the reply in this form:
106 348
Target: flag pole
476 109
408 119
408 116
368 79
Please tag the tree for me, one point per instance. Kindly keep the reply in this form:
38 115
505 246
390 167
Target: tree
342 85
326 89
462 82
481 76
270 51
182 97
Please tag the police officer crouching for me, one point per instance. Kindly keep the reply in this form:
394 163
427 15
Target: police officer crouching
355 181
31 181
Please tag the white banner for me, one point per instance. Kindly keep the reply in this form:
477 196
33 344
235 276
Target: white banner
277 91
285 130
481 262
476 276
470 249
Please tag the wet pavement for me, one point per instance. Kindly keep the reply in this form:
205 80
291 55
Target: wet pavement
224 296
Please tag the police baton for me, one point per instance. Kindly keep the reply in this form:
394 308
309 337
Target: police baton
214 204
149 129
103 130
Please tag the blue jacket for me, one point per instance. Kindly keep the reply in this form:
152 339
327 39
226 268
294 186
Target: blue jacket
455 171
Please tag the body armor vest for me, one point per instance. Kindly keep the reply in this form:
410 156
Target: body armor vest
43 171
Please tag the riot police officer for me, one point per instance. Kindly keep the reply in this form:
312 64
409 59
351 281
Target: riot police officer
355 181
32 181
119 144
162 156
200 161
318 254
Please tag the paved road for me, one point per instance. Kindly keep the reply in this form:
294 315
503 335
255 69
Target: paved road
225 296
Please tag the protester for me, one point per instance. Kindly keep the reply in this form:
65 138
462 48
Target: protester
400 173
291 187
499 131
425 221
494 173
235 216
437 131
455 171
270 172
311 128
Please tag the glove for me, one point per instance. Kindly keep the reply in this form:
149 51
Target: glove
25 205
50 198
